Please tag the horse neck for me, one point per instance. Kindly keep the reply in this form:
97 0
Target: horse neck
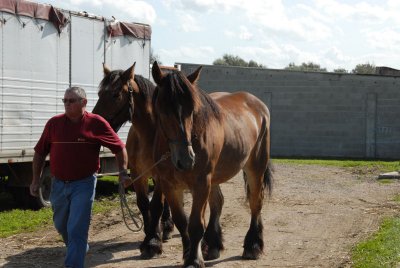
208 112
143 119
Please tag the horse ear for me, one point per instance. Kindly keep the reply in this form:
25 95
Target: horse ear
106 70
194 76
129 73
157 73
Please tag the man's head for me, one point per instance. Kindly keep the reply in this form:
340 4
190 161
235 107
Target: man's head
74 102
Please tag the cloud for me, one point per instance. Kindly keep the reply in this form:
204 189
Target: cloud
394 11
186 54
386 39
243 33
272 16
123 10
189 23
204 6
355 11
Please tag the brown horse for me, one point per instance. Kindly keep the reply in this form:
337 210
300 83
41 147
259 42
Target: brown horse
210 139
125 96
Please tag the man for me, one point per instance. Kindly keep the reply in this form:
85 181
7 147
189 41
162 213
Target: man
73 140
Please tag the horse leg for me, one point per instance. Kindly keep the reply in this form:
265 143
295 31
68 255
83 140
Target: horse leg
142 200
197 223
256 183
175 200
152 245
167 224
254 241
258 178
212 240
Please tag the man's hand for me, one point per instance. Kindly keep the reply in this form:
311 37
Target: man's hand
34 188
125 179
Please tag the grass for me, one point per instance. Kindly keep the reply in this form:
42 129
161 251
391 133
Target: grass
383 248
388 165
22 221
383 166
18 221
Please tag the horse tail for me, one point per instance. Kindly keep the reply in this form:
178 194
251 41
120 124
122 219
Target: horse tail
263 152
268 177
267 181
246 185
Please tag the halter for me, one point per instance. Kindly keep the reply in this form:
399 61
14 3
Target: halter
130 100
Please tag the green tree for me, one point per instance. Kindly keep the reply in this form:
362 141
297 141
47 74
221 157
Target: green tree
231 60
252 63
365 68
305 67
340 70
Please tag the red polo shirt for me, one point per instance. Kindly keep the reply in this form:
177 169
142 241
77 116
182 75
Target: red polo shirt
74 147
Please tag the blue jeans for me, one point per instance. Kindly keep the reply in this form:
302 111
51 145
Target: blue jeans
72 207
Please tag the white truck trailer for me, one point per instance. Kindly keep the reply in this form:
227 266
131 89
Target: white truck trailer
43 51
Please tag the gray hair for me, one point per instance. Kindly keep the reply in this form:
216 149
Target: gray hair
78 91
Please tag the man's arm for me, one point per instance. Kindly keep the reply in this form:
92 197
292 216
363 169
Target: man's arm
122 160
37 167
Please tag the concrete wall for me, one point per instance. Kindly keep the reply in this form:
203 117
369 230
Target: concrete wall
319 114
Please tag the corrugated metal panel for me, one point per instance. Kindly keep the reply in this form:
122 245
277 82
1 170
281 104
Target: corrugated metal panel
32 80
126 50
87 56
122 52
38 64
1 82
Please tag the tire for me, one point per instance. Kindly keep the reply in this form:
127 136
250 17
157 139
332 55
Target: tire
18 186
43 200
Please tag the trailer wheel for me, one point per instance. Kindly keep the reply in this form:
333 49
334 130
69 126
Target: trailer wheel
43 200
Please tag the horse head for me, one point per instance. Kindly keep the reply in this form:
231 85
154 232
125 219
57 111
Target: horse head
116 91
175 102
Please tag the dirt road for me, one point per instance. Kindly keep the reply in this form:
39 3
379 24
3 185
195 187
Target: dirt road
315 216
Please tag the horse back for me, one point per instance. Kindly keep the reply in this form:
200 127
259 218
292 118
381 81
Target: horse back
245 121
239 102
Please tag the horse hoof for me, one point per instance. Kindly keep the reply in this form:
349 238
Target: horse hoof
151 249
195 264
252 254
149 253
167 228
211 254
166 236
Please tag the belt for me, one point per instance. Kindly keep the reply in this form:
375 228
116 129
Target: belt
70 181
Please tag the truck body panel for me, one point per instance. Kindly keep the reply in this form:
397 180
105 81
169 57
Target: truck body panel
40 58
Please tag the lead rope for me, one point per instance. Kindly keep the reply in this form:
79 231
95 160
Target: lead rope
126 210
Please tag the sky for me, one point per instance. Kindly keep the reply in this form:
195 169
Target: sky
332 33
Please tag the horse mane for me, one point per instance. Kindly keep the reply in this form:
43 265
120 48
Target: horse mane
112 81
146 87
196 100
208 108
109 79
